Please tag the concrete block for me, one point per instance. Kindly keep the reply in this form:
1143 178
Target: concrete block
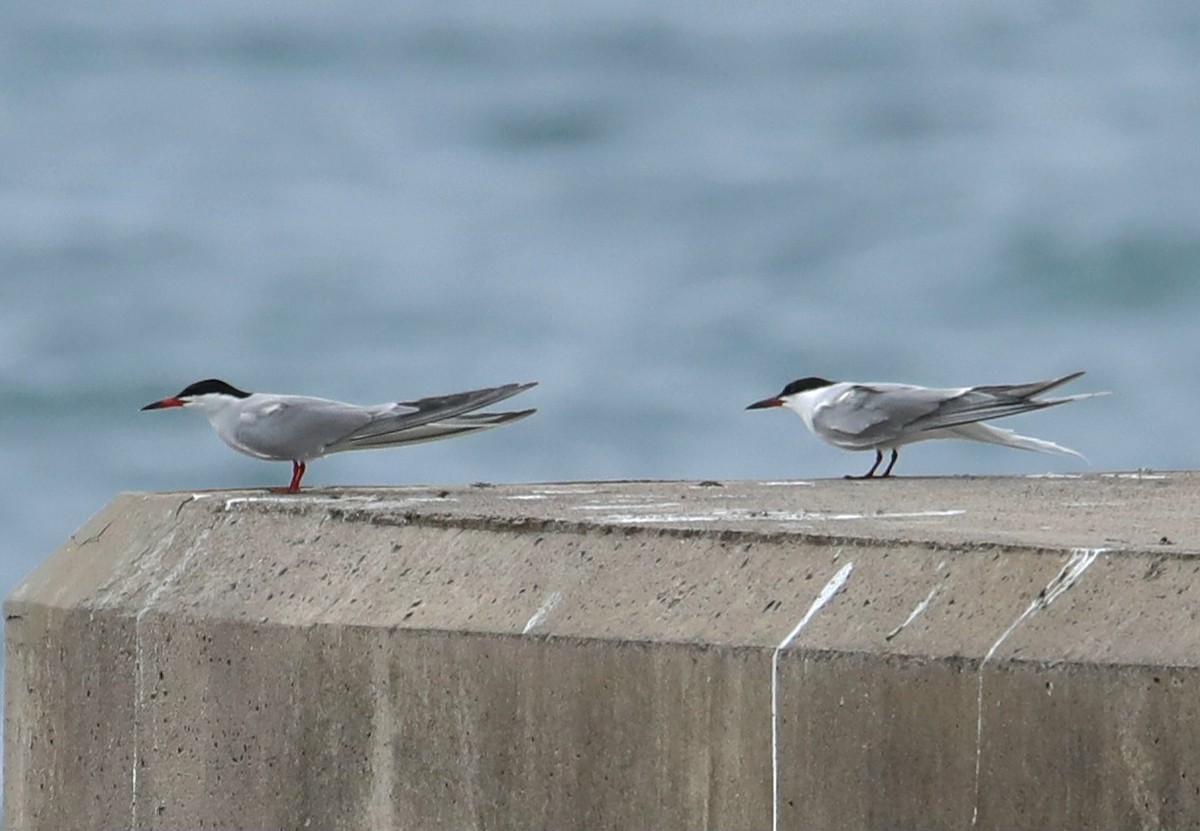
912 653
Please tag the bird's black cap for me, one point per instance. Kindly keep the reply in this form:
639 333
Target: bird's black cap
212 385
804 384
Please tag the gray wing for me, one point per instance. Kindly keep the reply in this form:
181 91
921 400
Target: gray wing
1027 390
866 415
988 402
471 423
412 421
298 428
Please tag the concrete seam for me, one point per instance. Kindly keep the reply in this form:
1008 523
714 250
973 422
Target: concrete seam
139 688
1072 570
826 594
93 538
383 778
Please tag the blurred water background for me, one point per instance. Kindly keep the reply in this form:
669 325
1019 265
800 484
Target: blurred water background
660 211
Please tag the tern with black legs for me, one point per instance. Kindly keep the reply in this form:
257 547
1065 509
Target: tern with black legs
298 429
883 417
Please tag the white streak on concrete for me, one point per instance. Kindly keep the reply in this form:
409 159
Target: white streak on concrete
799 482
627 506
768 516
633 519
747 515
540 615
1055 476
826 594
915 514
1079 562
232 501
358 503
830 517
922 606
1081 559
519 496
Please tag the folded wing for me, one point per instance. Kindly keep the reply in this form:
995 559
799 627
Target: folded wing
437 417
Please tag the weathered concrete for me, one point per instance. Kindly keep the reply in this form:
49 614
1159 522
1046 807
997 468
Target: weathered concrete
937 653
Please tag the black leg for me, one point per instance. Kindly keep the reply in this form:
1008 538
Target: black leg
892 463
871 473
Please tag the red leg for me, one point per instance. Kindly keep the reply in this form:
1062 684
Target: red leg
298 469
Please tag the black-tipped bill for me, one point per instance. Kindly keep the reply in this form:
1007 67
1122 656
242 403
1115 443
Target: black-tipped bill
766 402
166 402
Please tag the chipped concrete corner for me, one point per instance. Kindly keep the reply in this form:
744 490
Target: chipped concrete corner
914 653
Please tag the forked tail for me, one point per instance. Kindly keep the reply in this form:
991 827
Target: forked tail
977 431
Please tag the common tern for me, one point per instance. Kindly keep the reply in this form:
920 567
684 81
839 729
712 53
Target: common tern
298 429
887 416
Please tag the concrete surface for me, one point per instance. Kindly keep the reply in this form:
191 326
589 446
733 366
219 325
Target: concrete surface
909 653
